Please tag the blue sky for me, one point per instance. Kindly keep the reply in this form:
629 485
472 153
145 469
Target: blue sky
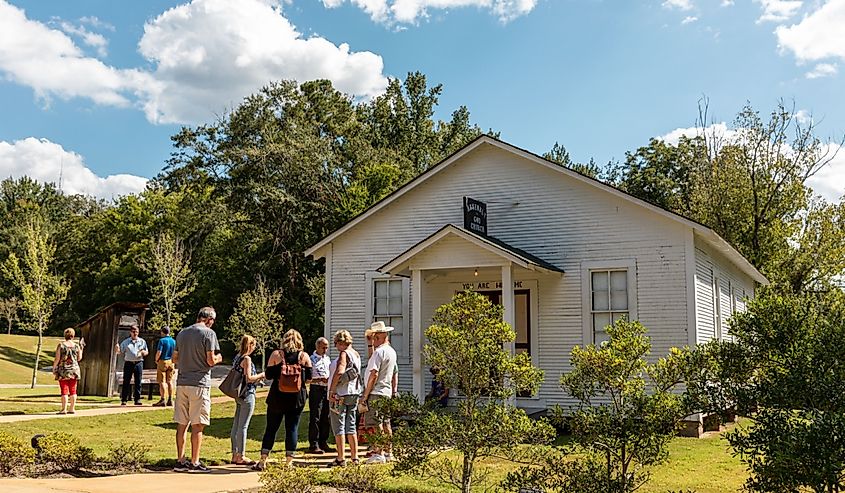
92 90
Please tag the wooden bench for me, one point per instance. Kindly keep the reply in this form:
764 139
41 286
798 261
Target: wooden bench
148 378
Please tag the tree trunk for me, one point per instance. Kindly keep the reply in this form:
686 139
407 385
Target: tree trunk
37 354
466 480
9 332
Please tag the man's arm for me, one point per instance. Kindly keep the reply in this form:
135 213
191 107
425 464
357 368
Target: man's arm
175 357
117 348
212 359
158 351
371 382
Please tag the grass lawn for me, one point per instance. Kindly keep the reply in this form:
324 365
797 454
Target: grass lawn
17 355
704 465
44 399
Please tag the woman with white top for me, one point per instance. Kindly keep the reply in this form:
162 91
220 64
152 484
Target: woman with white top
344 389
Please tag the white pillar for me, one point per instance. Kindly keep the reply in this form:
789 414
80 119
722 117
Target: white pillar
508 302
416 333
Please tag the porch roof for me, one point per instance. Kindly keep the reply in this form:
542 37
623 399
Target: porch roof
495 246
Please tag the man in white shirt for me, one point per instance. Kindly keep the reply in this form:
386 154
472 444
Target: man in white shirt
318 399
379 377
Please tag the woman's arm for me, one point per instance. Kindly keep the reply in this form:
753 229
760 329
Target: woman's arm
246 366
341 367
274 367
305 362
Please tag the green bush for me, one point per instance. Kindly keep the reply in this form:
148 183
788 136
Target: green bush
282 479
358 479
130 456
16 455
63 452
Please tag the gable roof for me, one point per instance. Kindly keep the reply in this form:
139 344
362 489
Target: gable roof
493 245
707 234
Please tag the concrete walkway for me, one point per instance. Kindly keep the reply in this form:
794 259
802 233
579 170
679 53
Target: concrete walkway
221 479
112 409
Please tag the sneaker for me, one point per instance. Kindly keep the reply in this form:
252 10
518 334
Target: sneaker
198 467
122 403
139 403
326 448
376 459
388 457
159 403
181 466
315 450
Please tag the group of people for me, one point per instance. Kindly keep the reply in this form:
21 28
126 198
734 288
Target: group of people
341 392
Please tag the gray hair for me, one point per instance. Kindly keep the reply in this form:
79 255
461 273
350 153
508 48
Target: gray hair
206 312
322 340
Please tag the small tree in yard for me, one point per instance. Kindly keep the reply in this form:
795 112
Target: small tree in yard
41 290
785 369
466 343
628 412
256 314
9 308
170 266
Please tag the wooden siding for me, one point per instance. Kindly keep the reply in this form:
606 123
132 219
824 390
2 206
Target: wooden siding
548 214
734 289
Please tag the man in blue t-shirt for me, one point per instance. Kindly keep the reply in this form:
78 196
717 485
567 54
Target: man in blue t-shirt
164 367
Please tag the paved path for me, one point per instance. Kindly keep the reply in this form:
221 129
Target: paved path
222 478
112 409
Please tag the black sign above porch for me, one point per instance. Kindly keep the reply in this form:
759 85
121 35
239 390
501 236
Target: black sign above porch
475 216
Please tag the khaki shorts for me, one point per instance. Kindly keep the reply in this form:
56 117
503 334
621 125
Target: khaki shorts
193 405
164 371
370 417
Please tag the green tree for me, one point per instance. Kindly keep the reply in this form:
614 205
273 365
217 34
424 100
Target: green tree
560 155
169 265
629 410
256 315
9 308
40 288
785 369
466 342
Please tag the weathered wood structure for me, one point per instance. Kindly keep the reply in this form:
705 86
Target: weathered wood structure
101 332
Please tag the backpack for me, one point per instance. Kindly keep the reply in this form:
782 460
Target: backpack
290 378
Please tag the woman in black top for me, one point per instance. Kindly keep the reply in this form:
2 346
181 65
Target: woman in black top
285 406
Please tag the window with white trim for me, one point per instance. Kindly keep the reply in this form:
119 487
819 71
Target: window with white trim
608 301
388 301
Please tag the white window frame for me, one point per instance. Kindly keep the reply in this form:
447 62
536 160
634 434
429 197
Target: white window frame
402 350
587 268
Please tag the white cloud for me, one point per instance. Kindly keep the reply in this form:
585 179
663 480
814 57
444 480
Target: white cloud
678 4
410 11
210 54
48 162
829 182
50 63
822 70
726 3
818 36
95 21
804 117
778 10
92 39
689 19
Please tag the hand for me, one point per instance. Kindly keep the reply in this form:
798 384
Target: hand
333 398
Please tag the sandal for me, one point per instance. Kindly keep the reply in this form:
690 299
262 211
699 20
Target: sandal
258 466
71 412
62 412
337 463
356 462
245 463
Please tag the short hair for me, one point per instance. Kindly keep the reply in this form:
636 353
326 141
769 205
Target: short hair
292 341
246 340
206 312
69 334
343 336
322 340
134 327
165 330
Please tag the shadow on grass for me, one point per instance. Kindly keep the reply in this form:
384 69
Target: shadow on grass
16 356
222 428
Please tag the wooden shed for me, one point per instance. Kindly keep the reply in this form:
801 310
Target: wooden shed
101 332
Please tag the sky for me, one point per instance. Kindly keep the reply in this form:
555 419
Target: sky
92 90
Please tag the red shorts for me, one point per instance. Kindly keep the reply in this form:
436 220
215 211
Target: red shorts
68 386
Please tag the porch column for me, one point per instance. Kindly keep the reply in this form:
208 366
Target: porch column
416 333
508 302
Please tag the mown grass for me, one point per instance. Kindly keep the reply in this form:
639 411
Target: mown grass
704 465
44 400
17 355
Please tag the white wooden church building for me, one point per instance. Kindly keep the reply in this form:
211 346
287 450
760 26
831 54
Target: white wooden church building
563 253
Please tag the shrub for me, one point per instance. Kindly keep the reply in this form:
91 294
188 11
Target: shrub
16 455
130 456
358 479
281 479
63 452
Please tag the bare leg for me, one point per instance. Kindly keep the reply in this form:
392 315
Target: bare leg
169 390
196 442
389 431
353 446
339 443
72 407
180 441
64 403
